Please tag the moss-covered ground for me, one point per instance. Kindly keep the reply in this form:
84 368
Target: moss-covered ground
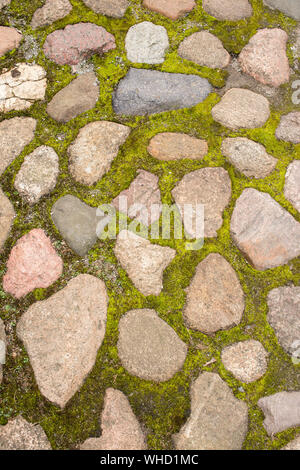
161 408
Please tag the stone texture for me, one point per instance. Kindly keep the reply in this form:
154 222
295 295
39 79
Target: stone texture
78 42
143 190
79 96
94 149
289 7
284 315
175 146
173 9
240 108
143 92
148 347
114 8
228 9
77 223
246 360
265 59
4 3
282 411
289 128
15 134
51 11
10 39
143 261
292 184
18 434
215 299
204 49
218 420
120 428
2 351
210 187
249 157
265 232
21 86
7 215
146 43
293 445
33 263
38 174
62 336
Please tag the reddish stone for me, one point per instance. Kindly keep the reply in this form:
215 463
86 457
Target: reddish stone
10 39
171 8
33 263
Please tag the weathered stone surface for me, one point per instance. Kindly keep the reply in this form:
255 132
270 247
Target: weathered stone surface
248 157
284 315
77 223
50 12
215 299
265 232
3 3
38 174
246 360
114 8
293 445
173 9
148 347
7 215
10 39
240 108
143 190
18 434
210 187
265 59
77 42
218 420
21 86
63 334
143 261
292 184
15 134
33 263
289 128
2 352
143 92
282 411
146 43
94 149
204 49
79 96
228 9
175 146
289 7
120 428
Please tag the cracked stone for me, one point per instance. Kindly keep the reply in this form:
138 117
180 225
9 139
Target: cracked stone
289 128
218 420
7 215
230 10
176 146
240 108
10 39
148 347
292 184
38 174
265 232
289 7
204 49
143 261
249 157
120 428
215 299
146 43
2 353
32 264
94 149
246 360
78 42
173 9
18 434
114 8
282 411
53 10
62 336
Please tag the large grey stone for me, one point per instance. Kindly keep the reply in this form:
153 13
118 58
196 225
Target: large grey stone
146 43
282 411
218 420
148 347
62 336
18 434
289 7
143 92
7 215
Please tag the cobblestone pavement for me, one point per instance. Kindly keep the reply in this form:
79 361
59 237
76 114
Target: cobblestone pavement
135 343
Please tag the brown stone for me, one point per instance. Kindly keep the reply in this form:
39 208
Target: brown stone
204 49
7 215
114 8
246 360
10 39
282 411
175 146
173 9
228 9
51 11
18 434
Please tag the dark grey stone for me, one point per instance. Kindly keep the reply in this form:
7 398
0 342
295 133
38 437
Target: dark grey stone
144 92
289 7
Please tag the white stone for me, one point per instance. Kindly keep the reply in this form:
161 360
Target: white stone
146 43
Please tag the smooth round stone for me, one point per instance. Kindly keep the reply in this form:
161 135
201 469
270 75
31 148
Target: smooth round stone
231 10
246 360
289 128
292 184
204 49
176 146
146 43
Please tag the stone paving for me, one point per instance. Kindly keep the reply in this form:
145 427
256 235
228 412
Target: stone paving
135 343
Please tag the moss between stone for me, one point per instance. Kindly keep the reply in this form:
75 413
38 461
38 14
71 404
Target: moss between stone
161 408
